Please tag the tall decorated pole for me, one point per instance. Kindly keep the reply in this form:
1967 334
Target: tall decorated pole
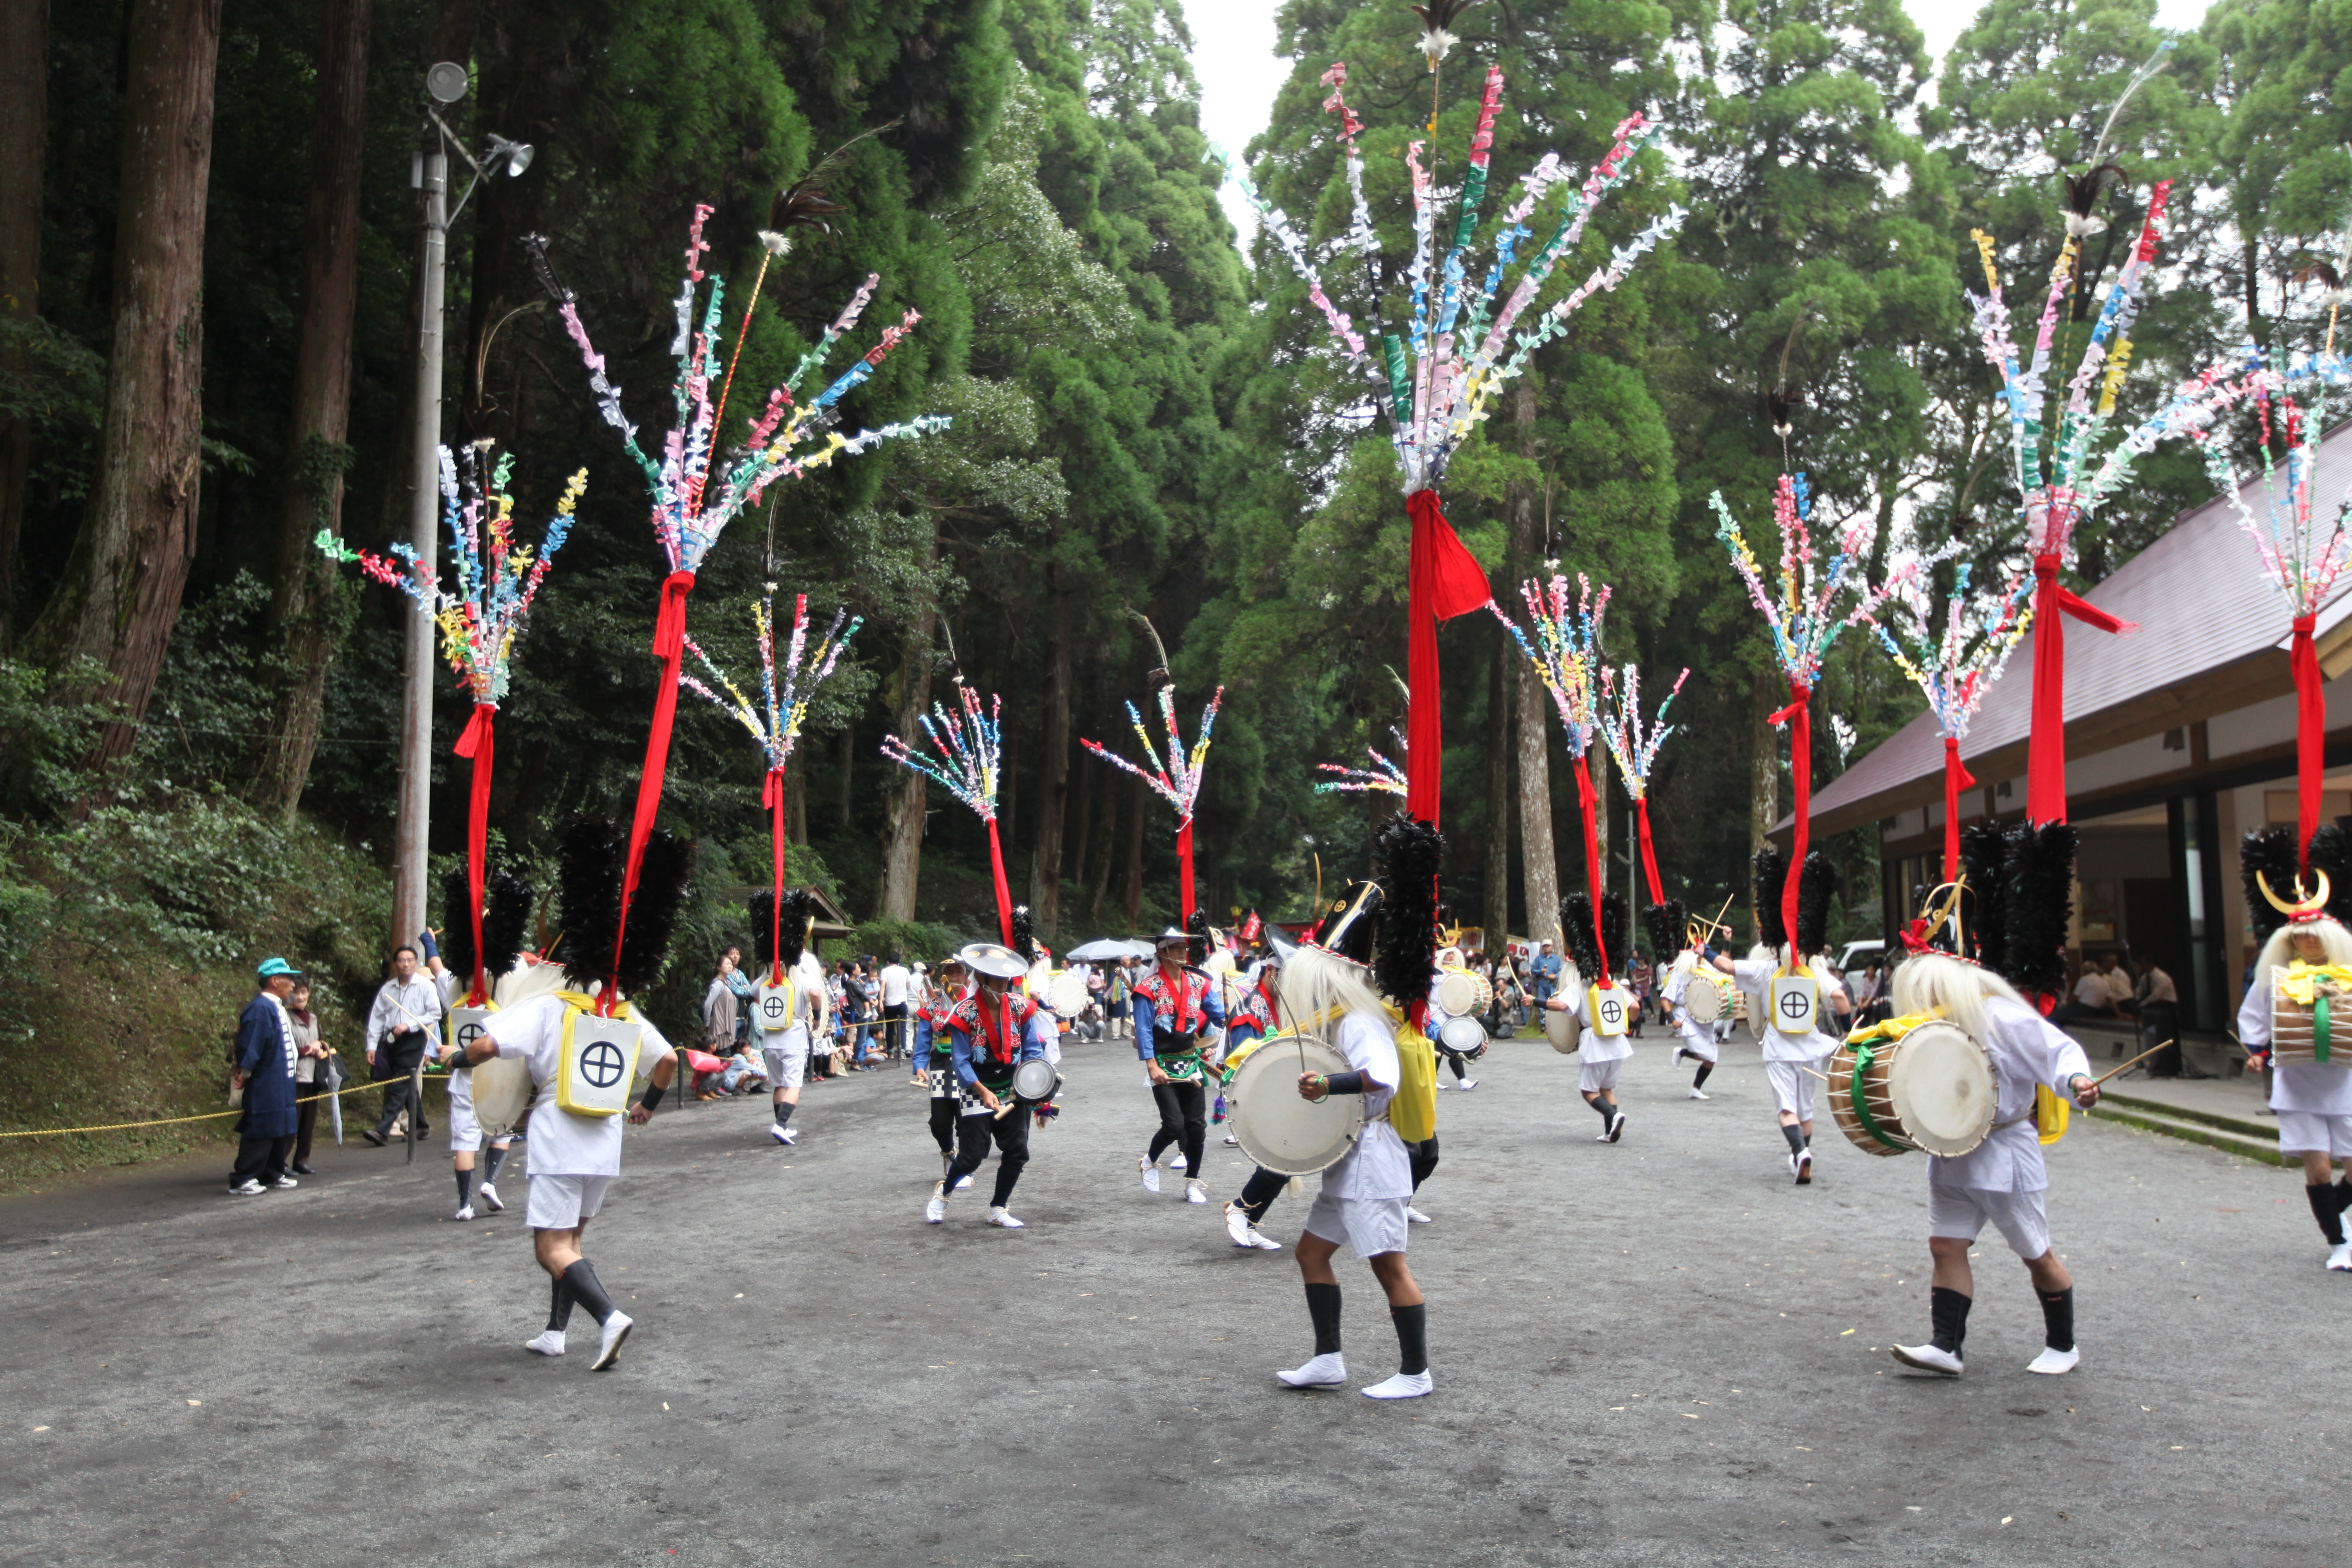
1432 380
967 751
1383 777
1566 653
776 719
788 438
1805 618
2303 550
1953 660
1177 781
1634 745
480 616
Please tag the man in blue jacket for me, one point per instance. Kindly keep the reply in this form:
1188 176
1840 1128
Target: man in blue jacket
265 1071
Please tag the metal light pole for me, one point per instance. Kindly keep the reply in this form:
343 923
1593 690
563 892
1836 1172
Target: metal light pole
412 835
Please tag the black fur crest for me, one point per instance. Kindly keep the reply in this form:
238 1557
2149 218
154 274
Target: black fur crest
1407 855
1771 872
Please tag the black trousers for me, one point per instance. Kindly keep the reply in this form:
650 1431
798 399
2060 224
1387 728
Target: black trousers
1424 1156
895 1039
1011 1132
1260 1191
1183 1120
306 1120
260 1160
396 1058
943 1121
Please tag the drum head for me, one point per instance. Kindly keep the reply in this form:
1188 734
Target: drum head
1033 1081
1275 1128
1462 1036
1457 993
501 1094
1066 995
1702 999
1561 1029
1940 1082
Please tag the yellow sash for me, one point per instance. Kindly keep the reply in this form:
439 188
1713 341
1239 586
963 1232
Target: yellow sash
1412 1109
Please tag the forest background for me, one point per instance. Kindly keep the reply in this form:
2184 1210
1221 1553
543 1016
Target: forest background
207 253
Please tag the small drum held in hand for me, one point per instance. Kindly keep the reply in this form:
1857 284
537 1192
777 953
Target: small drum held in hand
501 1088
1701 997
1034 1081
1066 994
1561 1029
1465 1038
1288 1135
1457 993
1930 1089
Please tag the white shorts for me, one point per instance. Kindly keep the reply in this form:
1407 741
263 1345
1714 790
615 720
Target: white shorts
464 1133
1792 1087
1368 1225
786 1067
1698 1042
1594 1076
564 1203
1959 1213
2312 1132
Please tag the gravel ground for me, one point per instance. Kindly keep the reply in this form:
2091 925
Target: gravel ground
1658 1352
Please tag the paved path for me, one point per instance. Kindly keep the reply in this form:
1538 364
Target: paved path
1652 1352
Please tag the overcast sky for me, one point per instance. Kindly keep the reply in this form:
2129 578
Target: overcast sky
1233 54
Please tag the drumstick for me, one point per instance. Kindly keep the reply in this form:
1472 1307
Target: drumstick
2133 1063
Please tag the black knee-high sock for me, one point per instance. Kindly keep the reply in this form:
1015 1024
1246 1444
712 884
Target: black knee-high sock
559 1304
2343 1193
2325 1209
497 1157
783 1112
1948 1309
1704 1068
2058 1317
1412 1337
464 1189
1323 1311
1796 1137
581 1277
1455 1063
1599 1102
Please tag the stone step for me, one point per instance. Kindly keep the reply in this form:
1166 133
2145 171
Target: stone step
2246 1127
2229 1136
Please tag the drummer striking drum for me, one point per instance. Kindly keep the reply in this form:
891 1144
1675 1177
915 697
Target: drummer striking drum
991 1032
1602 1005
1175 1005
2306 960
934 1057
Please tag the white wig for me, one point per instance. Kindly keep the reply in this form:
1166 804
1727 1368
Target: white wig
531 976
1311 984
2335 942
1938 983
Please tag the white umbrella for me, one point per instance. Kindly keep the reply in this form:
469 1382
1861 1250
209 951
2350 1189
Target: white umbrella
1109 950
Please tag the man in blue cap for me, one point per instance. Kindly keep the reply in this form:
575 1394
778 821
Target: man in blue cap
266 1059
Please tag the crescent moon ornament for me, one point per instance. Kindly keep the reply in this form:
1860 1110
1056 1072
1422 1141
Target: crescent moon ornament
2306 906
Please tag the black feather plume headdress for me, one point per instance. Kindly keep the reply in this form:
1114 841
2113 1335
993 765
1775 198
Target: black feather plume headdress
1984 911
1771 871
592 859
1024 933
1407 855
1817 888
1196 937
1437 19
1668 927
2040 897
2267 855
1576 926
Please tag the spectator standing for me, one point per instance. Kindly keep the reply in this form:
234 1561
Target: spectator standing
719 1012
1121 986
1543 975
897 991
2092 999
2159 1014
741 984
312 1075
265 1065
399 1027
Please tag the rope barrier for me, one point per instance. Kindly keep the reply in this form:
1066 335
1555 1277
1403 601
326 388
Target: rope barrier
176 1121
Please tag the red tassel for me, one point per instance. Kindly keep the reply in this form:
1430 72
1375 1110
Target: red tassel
1798 714
1443 581
669 647
2310 736
1956 779
478 742
2045 768
1592 860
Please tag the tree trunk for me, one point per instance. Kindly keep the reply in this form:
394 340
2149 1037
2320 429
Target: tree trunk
302 625
24 138
1763 782
849 760
1109 854
1089 785
120 593
1497 913
1539 859
1054 768
1140 809
902 849
796 805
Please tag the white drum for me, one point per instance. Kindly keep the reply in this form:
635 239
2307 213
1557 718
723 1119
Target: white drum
1277 1129
1561 1029
1457 993
1463 1037
501 1094
1931 1088
1065 994
1701 997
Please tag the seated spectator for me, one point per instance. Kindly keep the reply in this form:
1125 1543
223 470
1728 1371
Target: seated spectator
2092 999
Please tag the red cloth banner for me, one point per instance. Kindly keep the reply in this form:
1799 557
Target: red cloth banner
1592 863
2045 768
669 647
1956 779
771 795
1185 868
2310 736
477 742
1444 580
1003 888
1649 855
1798 714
